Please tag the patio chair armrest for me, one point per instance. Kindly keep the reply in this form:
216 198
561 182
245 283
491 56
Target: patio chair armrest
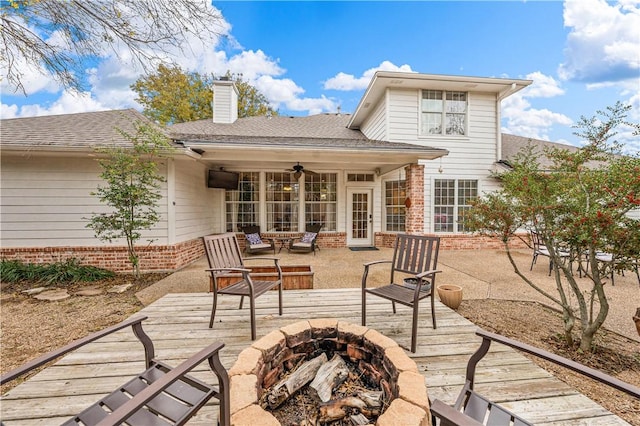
132 406
426 273
228 269
374 262
564 362
449 415
50 356
261 258
365 274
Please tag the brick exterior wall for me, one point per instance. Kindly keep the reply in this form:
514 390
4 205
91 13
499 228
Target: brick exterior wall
171 258
414 219
152 258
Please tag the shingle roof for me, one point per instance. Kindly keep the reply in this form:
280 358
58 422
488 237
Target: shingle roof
512 144
83 130
322 130
320 126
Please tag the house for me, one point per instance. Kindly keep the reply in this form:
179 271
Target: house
415 149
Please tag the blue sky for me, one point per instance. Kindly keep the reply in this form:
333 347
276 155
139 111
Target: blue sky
313 57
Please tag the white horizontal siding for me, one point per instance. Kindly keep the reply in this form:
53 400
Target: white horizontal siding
470 157
403 115
47 201
375 126
195 208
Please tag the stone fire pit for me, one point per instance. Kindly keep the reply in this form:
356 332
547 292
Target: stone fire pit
260 365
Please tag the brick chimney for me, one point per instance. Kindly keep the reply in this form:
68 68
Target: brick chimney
225 101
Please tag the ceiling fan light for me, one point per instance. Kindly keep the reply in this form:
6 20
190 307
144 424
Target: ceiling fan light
297 175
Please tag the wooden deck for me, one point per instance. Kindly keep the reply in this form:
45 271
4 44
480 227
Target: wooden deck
178 325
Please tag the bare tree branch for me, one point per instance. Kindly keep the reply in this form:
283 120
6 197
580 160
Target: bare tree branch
57 37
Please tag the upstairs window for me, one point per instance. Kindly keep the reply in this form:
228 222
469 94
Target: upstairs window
444 112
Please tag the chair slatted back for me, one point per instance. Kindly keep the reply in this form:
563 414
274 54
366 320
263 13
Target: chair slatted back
415 253
251 229
223 251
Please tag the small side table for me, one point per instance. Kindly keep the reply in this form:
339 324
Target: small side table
283 242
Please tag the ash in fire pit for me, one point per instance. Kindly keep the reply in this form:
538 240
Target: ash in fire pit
323 371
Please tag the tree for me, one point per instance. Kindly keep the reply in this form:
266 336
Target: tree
171 95
581 205
58 36
132 182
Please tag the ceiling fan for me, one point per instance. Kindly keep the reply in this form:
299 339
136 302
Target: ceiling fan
298 170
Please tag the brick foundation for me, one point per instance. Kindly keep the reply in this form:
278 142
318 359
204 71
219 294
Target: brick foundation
152 258
171 258
259 365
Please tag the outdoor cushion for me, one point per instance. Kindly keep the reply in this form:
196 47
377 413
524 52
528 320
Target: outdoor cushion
301 244
308 237
254 239
260 245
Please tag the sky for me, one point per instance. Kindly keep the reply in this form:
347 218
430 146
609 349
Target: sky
316 57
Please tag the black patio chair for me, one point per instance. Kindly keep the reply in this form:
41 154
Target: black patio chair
256 243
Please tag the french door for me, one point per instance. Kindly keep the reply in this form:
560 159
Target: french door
359 217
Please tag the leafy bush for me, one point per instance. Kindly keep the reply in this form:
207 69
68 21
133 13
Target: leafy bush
61 272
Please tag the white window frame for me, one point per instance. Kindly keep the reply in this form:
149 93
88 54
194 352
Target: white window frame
443 114
456 226
300 204
385 205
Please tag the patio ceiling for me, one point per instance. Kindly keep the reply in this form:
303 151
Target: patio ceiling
386 159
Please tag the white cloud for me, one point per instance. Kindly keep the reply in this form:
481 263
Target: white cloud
8 111
253 65
521 119
543 86
604 41
287 94
347 82
68 103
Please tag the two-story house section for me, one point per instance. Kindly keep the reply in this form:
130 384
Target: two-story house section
459 114
416 149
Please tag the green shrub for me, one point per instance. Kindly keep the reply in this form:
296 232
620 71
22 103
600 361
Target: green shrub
61 272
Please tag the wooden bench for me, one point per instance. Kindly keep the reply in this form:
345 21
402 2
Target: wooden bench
474 409
160 395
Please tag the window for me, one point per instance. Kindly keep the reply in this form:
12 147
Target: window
242 205
360 177
283 194
451 201
395 194
321 200
443 110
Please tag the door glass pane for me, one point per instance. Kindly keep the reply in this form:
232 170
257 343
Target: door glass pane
360 216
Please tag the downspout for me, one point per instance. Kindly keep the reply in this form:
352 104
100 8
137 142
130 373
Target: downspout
499 98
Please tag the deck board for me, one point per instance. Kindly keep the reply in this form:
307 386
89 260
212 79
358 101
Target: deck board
178 326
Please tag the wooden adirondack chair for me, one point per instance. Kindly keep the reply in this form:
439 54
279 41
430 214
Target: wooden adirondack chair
224 256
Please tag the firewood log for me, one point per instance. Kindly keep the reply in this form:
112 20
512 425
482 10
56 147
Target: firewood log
335 409
330 375
295 381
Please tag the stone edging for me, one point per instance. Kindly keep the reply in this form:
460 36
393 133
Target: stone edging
410 405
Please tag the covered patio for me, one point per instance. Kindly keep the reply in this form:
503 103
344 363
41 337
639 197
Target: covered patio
179 307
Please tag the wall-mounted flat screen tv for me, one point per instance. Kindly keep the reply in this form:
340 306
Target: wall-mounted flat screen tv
222 179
